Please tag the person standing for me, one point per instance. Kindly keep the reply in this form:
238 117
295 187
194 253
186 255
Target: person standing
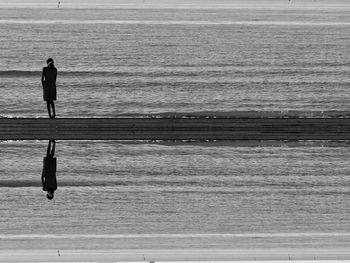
48 81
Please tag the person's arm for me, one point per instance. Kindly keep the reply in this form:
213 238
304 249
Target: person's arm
43 78
43 182
54 174
43 177
55 75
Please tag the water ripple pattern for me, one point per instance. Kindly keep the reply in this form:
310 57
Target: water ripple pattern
136 62
131 195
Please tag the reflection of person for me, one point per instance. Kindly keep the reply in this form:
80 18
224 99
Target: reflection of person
48 177
48 81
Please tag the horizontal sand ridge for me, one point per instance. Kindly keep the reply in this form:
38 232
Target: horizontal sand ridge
190 256
150 236
175 129
173 22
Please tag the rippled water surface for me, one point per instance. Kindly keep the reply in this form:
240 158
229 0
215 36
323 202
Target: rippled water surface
136 62
143 62
168 196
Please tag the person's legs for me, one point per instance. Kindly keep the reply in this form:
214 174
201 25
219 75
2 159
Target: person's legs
48 108
48 149
52 150
53 109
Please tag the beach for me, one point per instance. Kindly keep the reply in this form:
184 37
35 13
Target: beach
211 133
173 256
120 195
178 62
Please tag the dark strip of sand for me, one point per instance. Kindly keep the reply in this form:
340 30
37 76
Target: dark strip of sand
175 129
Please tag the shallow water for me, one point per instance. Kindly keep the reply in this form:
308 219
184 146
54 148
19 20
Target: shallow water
133 62
144 195
136 62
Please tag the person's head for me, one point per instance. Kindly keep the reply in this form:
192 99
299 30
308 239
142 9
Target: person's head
49 194
49 62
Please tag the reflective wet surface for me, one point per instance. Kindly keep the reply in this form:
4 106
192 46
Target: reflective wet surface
152 195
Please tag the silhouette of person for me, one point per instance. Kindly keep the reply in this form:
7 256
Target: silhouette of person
48 81
48 177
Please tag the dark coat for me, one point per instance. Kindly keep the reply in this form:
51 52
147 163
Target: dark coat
48 80
48 177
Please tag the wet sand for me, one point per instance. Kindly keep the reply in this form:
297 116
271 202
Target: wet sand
245 129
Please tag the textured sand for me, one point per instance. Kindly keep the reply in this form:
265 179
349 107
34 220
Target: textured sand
278 255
